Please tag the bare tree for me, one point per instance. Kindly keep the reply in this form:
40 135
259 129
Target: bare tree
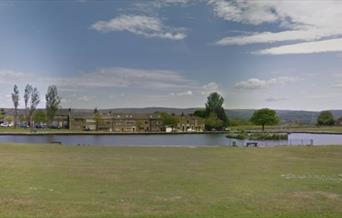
15 99
52 103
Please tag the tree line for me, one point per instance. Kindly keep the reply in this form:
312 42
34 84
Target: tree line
32 100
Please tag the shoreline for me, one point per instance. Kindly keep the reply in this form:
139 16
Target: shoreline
66 133
301 132
110 133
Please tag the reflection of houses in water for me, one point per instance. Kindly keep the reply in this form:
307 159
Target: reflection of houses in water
127 122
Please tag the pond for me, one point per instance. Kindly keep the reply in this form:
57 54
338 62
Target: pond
181 140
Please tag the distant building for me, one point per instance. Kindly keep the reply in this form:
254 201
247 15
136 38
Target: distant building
338 122
61 121
126 122
189 123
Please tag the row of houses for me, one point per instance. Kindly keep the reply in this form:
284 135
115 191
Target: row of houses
128 122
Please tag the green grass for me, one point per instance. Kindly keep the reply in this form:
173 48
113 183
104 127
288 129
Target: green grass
335 129
320 129
59 181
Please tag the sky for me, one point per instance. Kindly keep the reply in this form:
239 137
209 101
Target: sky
174 53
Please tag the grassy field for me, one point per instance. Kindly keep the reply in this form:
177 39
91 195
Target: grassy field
58 181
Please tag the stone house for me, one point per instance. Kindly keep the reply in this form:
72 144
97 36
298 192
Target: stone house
127 122
190 123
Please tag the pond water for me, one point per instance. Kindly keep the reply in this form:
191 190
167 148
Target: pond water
181 140
123 140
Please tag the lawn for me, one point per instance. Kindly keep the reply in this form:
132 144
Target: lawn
318 129
59 181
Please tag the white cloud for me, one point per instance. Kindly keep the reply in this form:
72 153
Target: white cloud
86 98
290 14
127 78
186 93
147 26
251 12
331 45
255 83
161 3
271 37
338 85
300 20
337 75
11 76
149 7
103 78
275 99
116 77
210 88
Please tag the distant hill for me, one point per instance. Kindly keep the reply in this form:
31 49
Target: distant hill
305 117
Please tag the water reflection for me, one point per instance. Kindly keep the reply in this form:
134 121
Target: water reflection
169 140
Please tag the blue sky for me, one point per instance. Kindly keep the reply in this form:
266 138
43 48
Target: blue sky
106 54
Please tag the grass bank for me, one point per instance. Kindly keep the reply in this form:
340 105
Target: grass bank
309 129
58 181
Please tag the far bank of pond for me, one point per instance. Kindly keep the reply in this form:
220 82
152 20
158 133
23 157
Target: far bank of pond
167 140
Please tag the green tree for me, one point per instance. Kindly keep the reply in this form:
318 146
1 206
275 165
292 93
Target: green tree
52 103
264 117
215 105
325 118
140 124
8 118
98 119
201 113
39 117
239 122
15 99
214 101
221 114
27 96
213 122
169 120
35 99
22 118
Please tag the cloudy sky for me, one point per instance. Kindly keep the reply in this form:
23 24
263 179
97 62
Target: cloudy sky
106 54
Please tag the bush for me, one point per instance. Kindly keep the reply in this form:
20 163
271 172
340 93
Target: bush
257 136
325 118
